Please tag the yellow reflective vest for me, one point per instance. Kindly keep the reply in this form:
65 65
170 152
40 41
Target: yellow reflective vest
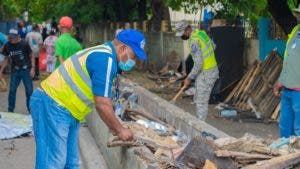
206 47
70 85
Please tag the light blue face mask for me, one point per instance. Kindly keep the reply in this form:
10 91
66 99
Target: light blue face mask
128 65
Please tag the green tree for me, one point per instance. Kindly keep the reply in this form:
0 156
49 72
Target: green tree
226 9
9 9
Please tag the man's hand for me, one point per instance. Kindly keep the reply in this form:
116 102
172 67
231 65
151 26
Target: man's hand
32 72
277 89
1 75
125 134
105 110
187 82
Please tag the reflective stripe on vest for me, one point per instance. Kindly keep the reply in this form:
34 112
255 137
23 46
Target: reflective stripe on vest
80 71
207 49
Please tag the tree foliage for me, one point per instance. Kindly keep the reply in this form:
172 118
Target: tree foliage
88 11
226 9
82 11
9 9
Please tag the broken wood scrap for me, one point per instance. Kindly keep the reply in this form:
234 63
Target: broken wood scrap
236 154
209 165
237 94
166 165
248 147
165 69
115 141
275 114
144 153
230 96
281 162
249 81
200 149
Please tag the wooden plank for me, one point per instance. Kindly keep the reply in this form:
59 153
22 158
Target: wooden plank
199 150
234 94
236 154
276 112
234 91
277 162
209 165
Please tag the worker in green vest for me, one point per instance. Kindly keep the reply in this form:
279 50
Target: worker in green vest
205 70
288 86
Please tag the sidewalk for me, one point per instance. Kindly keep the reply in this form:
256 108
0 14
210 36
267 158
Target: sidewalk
17 153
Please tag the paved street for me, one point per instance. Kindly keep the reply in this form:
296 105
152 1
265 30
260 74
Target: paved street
16 153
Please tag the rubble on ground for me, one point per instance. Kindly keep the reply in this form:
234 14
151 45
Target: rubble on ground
161 145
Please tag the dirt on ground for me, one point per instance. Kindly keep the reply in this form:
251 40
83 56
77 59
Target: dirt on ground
233 127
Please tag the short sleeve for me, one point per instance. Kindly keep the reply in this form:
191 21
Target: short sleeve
100 69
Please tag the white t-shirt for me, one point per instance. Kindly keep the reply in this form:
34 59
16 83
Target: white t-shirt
35 40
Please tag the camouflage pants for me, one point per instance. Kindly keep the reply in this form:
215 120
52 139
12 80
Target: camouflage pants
204 83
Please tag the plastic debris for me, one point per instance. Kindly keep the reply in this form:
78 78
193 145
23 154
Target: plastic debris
159 128
228 113
279 143
13 125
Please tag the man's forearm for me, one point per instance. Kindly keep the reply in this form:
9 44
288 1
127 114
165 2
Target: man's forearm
196 68
60 59
105 111
197 58
32 60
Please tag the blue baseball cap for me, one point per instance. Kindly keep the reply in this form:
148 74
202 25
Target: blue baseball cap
135 40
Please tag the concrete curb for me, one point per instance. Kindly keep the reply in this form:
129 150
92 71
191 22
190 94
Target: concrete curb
91 156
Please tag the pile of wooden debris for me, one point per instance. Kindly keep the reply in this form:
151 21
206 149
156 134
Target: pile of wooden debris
246 152
167 79
254 92
157 142
161 146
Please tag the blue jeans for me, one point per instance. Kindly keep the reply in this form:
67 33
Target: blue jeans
56 133
15 79
289 123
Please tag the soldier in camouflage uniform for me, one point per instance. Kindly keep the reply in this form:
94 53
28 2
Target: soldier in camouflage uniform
205 69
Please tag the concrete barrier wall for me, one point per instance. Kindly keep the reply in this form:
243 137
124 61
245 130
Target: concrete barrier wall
160 46
124 158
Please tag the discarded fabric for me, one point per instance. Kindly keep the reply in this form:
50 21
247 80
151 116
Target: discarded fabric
13 125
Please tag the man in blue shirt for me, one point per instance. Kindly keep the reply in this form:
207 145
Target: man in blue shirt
81 82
